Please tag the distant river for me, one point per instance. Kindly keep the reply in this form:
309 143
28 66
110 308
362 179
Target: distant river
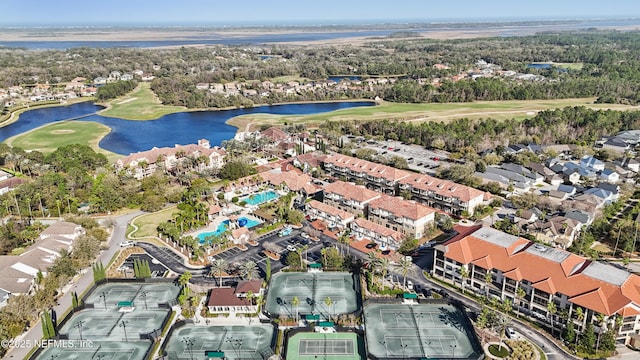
510 29
128 136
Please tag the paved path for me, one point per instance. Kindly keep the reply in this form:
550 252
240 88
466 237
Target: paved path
81 283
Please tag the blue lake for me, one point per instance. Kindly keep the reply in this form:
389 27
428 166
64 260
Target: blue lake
129 136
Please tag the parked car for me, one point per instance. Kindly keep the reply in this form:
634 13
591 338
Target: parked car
126 243
291 248
409 285
304 235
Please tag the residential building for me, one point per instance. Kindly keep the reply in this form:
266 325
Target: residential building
334 217
232 301
349 197
385 237
198 157
589 162
444 195
408 217
377 177
546 274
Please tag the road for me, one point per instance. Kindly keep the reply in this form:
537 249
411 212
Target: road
83 282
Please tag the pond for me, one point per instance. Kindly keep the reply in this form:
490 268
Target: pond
129 136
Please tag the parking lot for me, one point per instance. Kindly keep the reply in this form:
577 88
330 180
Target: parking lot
419 159
157 269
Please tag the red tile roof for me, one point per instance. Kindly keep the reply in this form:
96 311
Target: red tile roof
244 287
401 207
275 134
370 168
328 209
379 229
442 187
350 191
593 285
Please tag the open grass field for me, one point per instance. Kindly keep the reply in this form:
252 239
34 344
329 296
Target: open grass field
501 110
147 224
48 138
141 104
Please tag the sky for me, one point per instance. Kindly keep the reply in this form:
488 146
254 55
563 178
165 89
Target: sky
284 12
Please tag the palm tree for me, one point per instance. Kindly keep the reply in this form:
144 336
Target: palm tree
373 264
295 302
520 294
552 309
183 280
405 265
344 239
303 249
249 270
500 325
384 264
218 268
328 302
488 277
580 318
464 274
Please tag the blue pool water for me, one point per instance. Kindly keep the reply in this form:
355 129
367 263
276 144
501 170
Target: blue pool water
260 198
222 227
249 223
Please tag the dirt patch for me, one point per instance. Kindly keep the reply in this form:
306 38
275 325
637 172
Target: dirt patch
126 101
63 131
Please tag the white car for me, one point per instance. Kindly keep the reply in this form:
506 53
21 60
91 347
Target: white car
126 243
511 334
304 235
291 248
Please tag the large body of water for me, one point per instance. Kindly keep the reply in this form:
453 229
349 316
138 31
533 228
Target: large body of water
128 136
509 29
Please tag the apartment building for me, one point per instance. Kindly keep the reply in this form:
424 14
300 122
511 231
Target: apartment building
498 264
349 197
406 216
334 217
445 195
198 157
385 237
378 177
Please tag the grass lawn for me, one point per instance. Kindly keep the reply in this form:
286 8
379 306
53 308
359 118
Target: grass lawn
141 104
495 350
148 224
48 138
501 110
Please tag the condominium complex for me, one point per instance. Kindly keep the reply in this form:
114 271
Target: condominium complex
440 194
498 264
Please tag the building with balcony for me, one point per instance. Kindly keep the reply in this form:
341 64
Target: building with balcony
376 176
445 195
386 238
334 217
408 217
496 264
349 197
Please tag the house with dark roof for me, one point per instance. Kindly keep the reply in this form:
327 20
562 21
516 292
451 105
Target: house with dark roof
240 299
616 144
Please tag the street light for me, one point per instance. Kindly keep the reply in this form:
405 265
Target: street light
123 325
235 344
103 295
189 343
79 326
144 296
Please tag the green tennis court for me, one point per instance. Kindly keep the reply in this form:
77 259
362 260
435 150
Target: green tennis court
103 350
328 346
325 293
142 295
419 331
231 342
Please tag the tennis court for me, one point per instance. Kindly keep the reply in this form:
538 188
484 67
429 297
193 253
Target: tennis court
405 331
231 342
329 346
112 325
325 293
104 350
142 295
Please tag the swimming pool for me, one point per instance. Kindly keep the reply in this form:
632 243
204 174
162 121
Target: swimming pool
248 223
222 227
259 198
